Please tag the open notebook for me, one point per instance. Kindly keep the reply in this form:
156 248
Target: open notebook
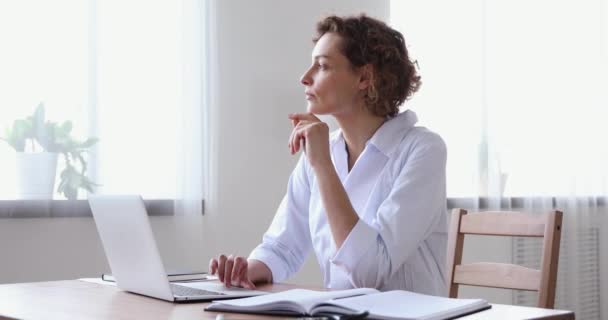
397 304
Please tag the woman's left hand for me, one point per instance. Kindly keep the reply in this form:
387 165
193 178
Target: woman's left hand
314 135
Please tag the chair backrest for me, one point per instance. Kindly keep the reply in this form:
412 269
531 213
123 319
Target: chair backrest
502 275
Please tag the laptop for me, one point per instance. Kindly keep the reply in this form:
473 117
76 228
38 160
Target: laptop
127 239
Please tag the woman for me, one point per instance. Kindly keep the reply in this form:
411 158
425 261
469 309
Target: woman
369 198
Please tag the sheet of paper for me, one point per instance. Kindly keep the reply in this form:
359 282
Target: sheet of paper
306 298
400 304
98 281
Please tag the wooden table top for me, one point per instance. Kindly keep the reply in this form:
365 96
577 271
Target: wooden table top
75 299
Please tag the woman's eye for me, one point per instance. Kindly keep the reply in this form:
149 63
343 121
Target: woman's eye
322 66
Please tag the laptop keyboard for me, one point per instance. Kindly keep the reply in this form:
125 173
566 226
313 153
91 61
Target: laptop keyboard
187 291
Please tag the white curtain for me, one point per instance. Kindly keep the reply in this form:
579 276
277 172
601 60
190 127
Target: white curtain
153 99
136 74
196 117
519 90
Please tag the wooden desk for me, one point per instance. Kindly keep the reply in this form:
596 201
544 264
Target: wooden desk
73 299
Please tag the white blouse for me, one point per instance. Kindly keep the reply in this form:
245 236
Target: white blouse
397 187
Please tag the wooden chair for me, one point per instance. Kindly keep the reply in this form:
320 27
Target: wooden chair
501 275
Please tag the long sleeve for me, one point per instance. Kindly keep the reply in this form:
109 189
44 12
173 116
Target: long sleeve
373 252
287 241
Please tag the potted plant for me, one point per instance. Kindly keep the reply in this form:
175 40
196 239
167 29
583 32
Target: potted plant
38 144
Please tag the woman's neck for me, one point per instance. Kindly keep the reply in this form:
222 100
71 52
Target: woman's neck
357 129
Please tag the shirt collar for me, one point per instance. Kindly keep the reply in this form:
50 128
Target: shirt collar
389 135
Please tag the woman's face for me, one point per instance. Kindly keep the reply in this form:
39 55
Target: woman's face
331 84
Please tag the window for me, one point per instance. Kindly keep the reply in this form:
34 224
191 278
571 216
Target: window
120 71
517 89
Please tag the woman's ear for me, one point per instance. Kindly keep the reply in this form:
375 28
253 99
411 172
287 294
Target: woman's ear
367 76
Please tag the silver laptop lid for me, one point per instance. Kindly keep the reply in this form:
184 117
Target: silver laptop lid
127 238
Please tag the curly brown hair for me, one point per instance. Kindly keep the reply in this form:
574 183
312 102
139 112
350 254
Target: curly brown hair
366 40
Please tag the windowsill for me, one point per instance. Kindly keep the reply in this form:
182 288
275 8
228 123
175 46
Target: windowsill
516 202
14 209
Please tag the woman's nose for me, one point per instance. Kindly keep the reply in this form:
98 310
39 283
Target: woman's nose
306 79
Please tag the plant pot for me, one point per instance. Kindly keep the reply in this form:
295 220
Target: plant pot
36 175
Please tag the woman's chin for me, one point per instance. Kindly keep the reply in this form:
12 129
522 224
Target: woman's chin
317 109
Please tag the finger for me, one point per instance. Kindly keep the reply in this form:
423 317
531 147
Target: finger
300 139
300 134
294 142
221 267
293 147
303 116
236 271
293 119
248 284
245 282
303 123
294 123
291 138
290 143
228 271
213 266
294 134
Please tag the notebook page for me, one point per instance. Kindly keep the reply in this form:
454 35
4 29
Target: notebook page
399 304
305 298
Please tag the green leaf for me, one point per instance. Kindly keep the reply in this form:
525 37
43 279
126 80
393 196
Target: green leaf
83 164
66 127
63 131
71 193
75 181
38 126
47 138
88 187
70 183
16 137
23 128
39 114
88 143
61 186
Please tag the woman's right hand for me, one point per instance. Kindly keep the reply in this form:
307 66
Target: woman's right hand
232 271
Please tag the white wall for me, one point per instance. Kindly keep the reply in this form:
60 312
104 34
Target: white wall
264 46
